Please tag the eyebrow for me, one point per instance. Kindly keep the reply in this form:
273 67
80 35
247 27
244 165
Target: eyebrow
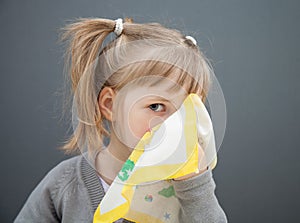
157 98
152 97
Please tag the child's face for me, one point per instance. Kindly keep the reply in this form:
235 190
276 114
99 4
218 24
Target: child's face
137 109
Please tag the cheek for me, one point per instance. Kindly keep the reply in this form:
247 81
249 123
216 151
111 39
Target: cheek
139 124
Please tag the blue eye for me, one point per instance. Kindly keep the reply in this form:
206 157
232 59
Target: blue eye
157 107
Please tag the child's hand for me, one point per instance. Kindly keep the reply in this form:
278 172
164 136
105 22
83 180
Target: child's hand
202 160
190 175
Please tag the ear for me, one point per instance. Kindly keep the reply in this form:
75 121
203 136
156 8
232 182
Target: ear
105 102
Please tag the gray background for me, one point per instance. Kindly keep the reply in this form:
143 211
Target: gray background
254 47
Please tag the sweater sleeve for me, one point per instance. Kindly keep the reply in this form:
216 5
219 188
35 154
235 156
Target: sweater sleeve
198 201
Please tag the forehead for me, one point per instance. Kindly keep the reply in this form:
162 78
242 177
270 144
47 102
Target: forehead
140 72
155 84
152 88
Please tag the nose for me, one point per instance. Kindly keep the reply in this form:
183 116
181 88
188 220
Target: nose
154 122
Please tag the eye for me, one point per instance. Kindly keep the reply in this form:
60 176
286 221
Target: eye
157 107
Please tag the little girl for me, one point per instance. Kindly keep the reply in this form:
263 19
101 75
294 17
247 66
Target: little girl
121 91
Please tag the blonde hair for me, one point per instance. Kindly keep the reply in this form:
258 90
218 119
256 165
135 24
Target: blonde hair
141 50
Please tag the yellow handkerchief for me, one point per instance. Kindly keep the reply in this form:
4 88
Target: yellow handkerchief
142 192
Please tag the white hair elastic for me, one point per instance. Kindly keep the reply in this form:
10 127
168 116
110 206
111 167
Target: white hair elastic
191 39
118 26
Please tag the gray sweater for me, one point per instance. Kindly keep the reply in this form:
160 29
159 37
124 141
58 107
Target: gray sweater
71 192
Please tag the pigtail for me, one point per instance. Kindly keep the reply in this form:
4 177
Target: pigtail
84 38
